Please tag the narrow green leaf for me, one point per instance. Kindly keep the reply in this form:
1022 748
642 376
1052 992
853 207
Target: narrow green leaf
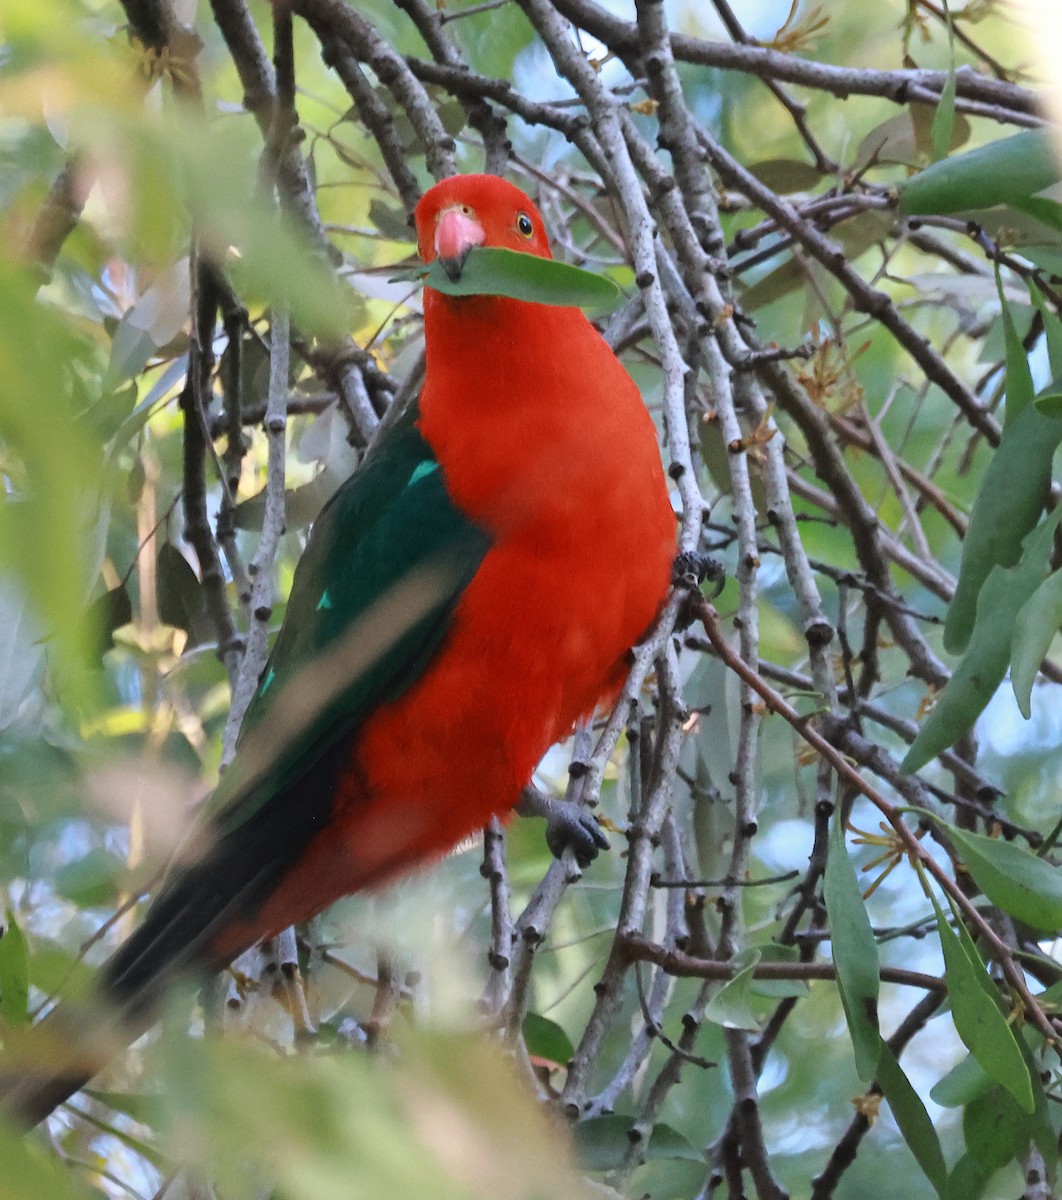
979 1020
492 271
1019 383
1014 880
944 117
912 1118
1002 172
14 973
1039 619
1008 505
545 1039
855 953
729 1006
985 662
1052 330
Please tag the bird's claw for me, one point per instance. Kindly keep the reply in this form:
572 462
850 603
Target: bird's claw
568 826
692 568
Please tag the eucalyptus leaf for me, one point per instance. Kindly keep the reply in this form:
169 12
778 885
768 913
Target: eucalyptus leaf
1016 881
855 953
1009 502
978 1017
493 271
984 664
14 973
1038 621
913 1120
1004 171
729 1006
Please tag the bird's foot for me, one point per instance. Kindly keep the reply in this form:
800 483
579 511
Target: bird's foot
692 568
567 825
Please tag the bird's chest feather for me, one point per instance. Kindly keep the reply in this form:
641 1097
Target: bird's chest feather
549 448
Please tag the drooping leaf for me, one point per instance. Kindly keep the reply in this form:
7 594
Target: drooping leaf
14 973
912 1119
493 271
978 1016
944 117
1004 171
776 989
105 615
985 662
729 1006
1019 382
1009 502
855 953
1039 619
180 595
1016 881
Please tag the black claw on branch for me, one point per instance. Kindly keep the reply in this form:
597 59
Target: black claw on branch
692 568
568 825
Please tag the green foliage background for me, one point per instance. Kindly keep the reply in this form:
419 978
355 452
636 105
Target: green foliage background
113 698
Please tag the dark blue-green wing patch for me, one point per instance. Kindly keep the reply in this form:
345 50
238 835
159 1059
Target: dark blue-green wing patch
386 563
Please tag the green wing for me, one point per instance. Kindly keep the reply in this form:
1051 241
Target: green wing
388 558
387 561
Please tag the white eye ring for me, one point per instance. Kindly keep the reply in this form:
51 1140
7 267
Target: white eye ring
524 225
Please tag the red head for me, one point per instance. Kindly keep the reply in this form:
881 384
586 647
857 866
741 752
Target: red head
476 210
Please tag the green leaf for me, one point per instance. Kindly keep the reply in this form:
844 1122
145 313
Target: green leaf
944 117
786 175
106 614
729 1006
968 1179
964 1082
32 1170
492 271
1037 623
14 973
912 1119
1052 330
978 1017
1008 505
1049 403
1019 383
775 989
995 1129
545 1039
983 666
1016 881
602 1142
855 953
180 596
92 881
1004 171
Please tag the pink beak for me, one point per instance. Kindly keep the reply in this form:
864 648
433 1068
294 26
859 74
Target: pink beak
455 235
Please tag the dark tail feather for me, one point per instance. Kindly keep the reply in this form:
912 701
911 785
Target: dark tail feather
204 916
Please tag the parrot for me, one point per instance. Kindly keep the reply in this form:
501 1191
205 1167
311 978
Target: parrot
468 595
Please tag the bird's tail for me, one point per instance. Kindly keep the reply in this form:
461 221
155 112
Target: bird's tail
207 912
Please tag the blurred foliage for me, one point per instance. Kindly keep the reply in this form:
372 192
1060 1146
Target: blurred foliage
113 699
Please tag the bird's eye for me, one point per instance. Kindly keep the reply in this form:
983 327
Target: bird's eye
523 224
